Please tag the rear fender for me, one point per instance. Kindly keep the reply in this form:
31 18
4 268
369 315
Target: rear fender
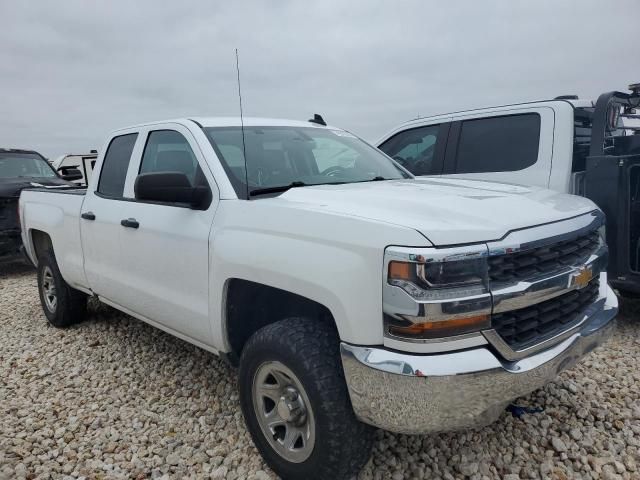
63 230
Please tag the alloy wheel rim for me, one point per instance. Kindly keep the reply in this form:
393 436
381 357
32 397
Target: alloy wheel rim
49 292
283 411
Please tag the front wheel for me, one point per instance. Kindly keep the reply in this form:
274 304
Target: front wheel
296 405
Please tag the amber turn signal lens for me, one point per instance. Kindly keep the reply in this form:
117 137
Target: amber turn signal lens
400 270
445 328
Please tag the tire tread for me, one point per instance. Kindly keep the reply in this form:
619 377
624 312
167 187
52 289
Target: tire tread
72 304
315 345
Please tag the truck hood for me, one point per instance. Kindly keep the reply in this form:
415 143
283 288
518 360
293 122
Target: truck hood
445 211
11 187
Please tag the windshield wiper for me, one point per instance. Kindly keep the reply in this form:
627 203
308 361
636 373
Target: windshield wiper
277 189
374 179
284 188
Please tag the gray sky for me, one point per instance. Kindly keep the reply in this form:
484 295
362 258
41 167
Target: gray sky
72 71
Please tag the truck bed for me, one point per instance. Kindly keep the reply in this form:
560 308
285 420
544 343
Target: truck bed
66 190
56 212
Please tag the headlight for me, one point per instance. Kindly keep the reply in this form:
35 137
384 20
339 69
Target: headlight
449 288
439 274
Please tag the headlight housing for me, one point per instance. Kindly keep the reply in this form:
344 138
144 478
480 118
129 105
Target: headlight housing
448 290
438 279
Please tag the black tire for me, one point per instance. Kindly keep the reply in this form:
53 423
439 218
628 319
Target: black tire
70 305
310 349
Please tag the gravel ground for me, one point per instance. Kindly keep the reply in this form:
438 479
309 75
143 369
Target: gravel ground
115 398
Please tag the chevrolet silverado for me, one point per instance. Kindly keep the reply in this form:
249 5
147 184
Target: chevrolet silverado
350 294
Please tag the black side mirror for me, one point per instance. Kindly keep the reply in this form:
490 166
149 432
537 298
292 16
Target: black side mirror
171 187
70 173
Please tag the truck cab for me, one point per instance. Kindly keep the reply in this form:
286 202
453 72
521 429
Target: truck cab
529 144
560 144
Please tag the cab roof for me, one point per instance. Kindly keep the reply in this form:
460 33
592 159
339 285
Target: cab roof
234 122
252 122
575 103
17 150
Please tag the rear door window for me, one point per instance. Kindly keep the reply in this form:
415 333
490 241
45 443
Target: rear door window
415 149
115 165
498 144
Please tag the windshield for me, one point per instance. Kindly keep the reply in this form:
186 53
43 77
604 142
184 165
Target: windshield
297 156
17 165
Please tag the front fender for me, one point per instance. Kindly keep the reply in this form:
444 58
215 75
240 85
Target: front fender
334 260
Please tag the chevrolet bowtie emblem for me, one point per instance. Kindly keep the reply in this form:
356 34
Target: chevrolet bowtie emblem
583 277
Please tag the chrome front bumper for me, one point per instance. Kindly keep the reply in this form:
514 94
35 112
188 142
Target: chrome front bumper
449 391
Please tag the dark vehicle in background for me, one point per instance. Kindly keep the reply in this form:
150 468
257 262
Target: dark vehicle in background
572 145
21 169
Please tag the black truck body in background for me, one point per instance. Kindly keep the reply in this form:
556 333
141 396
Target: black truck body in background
20 169
612 181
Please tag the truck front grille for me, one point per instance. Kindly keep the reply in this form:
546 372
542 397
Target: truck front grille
531 325
528 264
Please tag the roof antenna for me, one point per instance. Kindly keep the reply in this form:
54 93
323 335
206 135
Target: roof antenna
317 118
244 148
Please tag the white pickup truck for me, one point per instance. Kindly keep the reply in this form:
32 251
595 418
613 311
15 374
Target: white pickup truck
349 293
584 147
